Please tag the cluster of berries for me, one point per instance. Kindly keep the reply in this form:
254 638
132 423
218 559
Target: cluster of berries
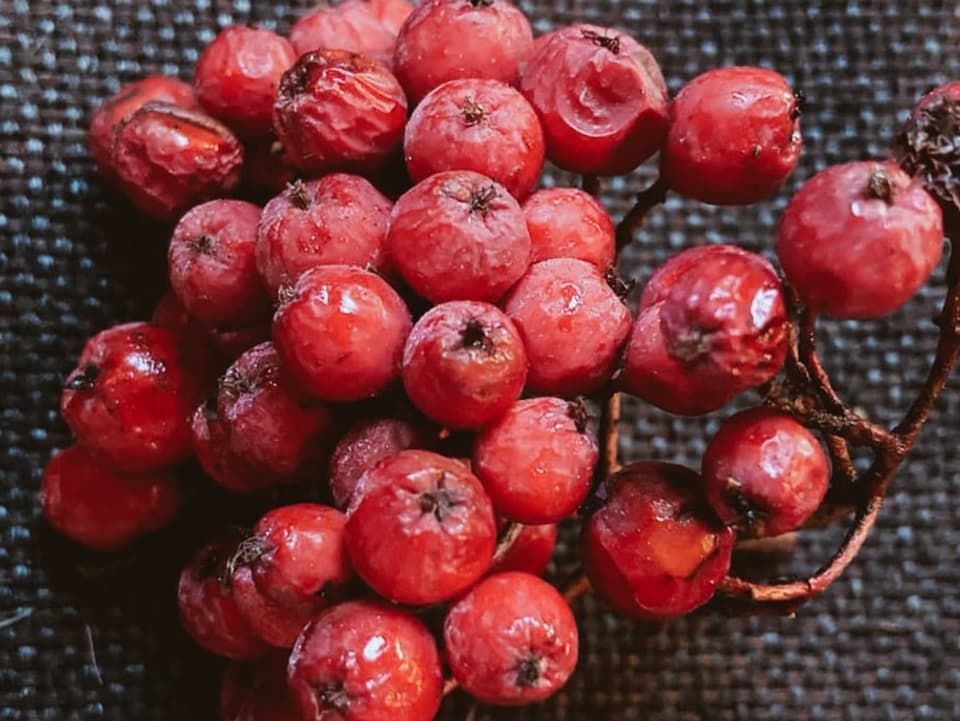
408 328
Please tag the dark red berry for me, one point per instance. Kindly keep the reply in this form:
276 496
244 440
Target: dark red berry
859 240
169 158
339 110
679 265
262 693
459 235
352 26
235 688
573 325
238 74
271 424
131 396
536 461
338 219
734 136
531 552
569 223
452 39
654 548
464 364
207 610
341 332
512 640
420 528
764 471
601 99
480 125
95 505
369 661
273 623
265 168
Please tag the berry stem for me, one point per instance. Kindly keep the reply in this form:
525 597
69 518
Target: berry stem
508 536
646 201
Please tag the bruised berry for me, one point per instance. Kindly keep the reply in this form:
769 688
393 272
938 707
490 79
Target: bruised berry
569 223
352 26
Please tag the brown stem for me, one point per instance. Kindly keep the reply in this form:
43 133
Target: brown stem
646 201
576 589
508 536
609 435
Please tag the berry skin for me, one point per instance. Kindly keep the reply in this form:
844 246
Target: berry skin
531 552
859 240
237 77
207 610
480 125
679 265
392 13
258 693
124 103
569 223
420 528
213 270
169 158
452 39
339 110
338 219
352 26
273 623
601 99
366 661
572 324
654 549
459 235
101 508
464 364
536 461
271 425
341 332
131 396
734 136
764 471
512 640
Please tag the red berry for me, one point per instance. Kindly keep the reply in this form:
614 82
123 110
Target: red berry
459 235
480 125
601 99
169 158
265 169
338 110
235 688
654 548
264 695
859 240
734 136
207 610
212 266
271 425
363 446
341 332
531 552
464 364
338 219
765 471
237 77
273 623
573 325
124 103
131 396
536 461
452 39
512 640
569 223
369 661
95 505
677 266
420 528
392 13
352 26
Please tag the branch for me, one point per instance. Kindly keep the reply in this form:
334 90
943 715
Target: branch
646 201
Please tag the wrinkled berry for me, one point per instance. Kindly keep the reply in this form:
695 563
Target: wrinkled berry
531 552
352 26
569 223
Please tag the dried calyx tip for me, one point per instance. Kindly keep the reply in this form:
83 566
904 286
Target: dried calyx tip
617 284
248 552
481 198
609 42
299 194
799 104
472 111
528 672
928 147
481 3
577 411
751 515
880 186
203 243
85 380
474 336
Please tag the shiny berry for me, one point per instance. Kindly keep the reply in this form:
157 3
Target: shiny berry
480 125
734 136
512 640
859 240
654 548
464 364
169 158
131 396
536 461
764 471
569 223
96 505
352 26
601 99
366 661
420 528
459 235
339 110
237 77
273 623
573 325
660 284
452 39
212 449
340 330
531 552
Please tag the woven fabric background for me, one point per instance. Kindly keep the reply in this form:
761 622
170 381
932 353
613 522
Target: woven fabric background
102 640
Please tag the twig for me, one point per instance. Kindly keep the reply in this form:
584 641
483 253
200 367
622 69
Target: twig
609 437
576 589
508 536
22 615
646 201
92 653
